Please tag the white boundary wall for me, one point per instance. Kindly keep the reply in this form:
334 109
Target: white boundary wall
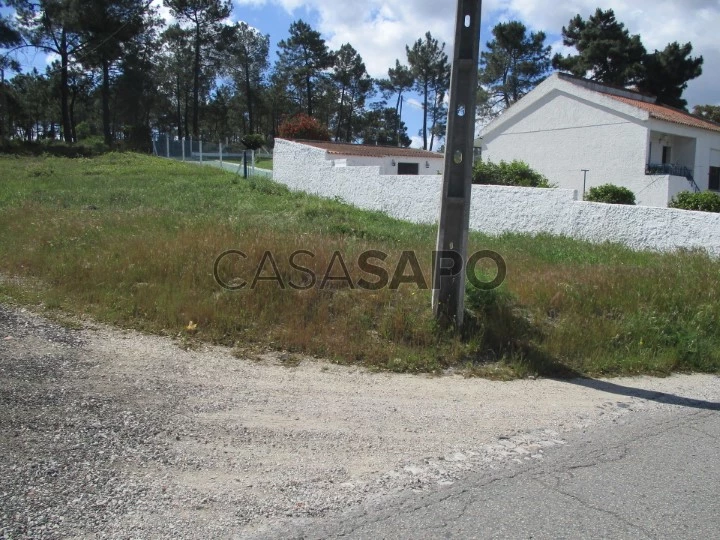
497 209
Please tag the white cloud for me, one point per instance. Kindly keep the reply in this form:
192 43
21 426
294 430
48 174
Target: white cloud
658 22
379 30
417 141
51 57
414 103
163 11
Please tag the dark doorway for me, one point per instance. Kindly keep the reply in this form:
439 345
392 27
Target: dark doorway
667 154
714 183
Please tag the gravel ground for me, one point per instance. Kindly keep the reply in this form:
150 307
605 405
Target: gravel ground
105 433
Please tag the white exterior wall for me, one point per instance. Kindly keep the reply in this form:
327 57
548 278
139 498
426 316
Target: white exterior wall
304 168
385 163
498 209
561 128
661 188
560 136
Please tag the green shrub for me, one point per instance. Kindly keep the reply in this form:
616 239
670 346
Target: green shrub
253 141
83 130
610 194
706 201
515 173
52 148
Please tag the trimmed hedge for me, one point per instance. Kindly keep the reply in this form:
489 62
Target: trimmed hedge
610 194
253 141
515 173
706 201
52 148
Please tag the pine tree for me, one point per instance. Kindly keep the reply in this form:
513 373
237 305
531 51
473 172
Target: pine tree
354 86
667 73
381 126
245 58
606 52
302 61
9 37
400 80
428 64
51 26
205 17
514 64
175 79
104 27
709 112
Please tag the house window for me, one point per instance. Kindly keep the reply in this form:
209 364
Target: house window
714 183
408 168
667 154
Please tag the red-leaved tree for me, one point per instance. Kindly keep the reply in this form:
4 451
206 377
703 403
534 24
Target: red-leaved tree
302 126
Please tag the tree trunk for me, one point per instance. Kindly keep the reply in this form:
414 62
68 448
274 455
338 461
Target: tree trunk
105 92
64 92
309 95
72 115
187 115
178 111
436 106
425 113
398 112
399 119
340 114
3 104
196 85
248 91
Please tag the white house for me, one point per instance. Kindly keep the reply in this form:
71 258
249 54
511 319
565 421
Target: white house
390 159
619 136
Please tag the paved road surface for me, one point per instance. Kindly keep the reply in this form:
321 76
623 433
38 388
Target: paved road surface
649 478
112 434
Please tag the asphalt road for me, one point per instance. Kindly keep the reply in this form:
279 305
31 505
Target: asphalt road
657 476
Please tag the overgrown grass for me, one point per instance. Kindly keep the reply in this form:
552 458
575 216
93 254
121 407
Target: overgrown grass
131 240
264 163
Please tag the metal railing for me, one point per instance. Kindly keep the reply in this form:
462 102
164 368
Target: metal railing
672 170
211 153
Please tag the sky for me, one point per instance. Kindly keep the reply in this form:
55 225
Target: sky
380 29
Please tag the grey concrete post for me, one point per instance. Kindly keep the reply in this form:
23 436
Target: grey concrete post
167 145
449 265
183 148
200 143
220 153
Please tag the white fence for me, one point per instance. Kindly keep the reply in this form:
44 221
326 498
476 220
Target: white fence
497 209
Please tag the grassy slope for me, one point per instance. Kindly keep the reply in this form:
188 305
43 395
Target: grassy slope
131 240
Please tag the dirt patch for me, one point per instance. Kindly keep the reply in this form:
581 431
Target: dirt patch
107 433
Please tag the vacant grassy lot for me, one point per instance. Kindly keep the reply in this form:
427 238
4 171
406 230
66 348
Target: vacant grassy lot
131 240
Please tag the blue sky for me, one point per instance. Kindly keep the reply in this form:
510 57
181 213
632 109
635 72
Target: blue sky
380 29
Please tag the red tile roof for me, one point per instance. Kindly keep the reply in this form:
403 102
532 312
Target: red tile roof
662 112
371 151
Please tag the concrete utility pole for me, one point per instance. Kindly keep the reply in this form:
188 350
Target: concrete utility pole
449 264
